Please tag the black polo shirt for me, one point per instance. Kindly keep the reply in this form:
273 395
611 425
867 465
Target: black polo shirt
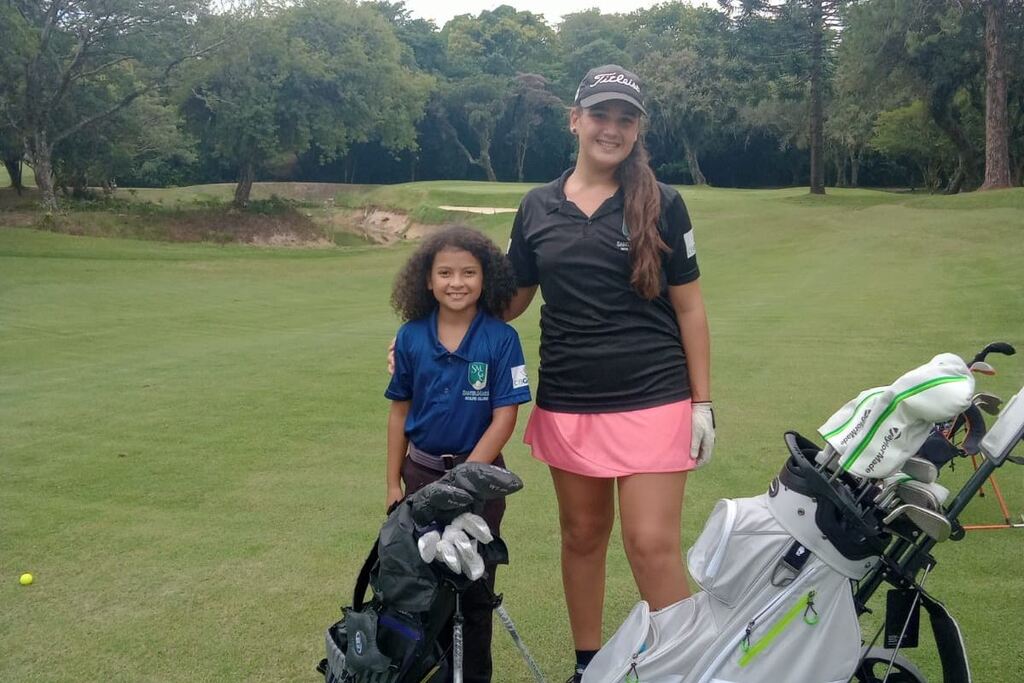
603 347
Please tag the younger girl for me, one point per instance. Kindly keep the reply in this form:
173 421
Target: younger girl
458 381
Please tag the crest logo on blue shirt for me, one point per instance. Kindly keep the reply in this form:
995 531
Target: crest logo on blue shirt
478 375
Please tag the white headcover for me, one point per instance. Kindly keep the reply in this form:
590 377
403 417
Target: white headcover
876 432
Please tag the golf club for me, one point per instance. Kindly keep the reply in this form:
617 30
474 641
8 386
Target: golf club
982 368
989 403
994 347
931 523
921 494
921 470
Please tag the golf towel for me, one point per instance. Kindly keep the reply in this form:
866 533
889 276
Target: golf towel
876 432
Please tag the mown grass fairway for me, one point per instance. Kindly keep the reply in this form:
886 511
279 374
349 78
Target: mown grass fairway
192 436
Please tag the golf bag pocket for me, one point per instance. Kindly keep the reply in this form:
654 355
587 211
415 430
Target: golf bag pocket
363 657
655 646
740 543
375 646
333 666
807 633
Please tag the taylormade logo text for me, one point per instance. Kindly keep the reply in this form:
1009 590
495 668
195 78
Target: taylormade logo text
615 78
887 440
856 428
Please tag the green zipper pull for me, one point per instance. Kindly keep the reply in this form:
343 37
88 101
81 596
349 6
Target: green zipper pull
633 676
810 614
745 643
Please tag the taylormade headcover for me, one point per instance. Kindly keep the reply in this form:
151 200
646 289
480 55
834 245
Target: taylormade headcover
882 427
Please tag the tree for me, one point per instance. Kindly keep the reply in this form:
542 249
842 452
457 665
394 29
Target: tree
932 50
530 102
588 39
469 109
320 75
125 48
910 133
143 143
502 42
997 122
419 37
688 70
817 21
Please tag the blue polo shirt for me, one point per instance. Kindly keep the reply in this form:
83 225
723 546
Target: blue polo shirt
454 394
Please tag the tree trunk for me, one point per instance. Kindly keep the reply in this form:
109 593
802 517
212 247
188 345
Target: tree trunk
13 167
840 162
246 176
484 162
817 109
940 106
41 152
521 157
997 123
694 163
855 168
956 181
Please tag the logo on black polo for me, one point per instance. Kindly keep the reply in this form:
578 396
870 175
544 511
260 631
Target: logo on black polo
623 244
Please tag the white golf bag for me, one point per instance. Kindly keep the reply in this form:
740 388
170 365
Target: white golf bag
775 570
772 608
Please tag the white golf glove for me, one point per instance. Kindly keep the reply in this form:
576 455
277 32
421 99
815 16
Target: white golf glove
702 428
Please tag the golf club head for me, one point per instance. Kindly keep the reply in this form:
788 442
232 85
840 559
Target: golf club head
920 469
995 347
931 523
982 368
920 494
989 403
1000 347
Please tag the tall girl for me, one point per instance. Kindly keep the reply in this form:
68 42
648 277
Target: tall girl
624 400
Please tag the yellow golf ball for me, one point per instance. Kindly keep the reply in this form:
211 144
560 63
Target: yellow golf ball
25 579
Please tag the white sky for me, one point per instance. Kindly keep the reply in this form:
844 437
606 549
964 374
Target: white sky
443 10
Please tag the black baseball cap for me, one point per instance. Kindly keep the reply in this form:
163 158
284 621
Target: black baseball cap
610 82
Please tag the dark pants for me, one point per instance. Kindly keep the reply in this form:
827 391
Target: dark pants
476 601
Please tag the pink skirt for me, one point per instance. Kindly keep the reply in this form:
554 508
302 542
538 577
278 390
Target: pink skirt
610 445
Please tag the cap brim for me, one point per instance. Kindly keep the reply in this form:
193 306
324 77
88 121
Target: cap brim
597 98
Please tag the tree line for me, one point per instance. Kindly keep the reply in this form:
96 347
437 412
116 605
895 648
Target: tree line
925 93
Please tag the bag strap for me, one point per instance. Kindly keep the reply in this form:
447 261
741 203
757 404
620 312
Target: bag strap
359 595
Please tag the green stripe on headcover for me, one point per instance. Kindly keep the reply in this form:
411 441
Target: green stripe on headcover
899 398
853 415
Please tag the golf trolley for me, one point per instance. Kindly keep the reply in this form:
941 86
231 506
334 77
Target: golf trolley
786 576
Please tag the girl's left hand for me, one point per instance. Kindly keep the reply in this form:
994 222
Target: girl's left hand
702 429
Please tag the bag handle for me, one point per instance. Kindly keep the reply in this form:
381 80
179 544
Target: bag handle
363 581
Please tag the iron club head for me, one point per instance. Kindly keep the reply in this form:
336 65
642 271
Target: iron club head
930 523
990 403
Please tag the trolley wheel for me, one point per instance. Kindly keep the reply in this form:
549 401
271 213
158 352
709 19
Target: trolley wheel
875 662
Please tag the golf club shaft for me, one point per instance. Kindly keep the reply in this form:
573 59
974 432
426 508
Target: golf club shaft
506 620
457 653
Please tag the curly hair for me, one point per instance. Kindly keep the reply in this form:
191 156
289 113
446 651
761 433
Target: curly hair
412 300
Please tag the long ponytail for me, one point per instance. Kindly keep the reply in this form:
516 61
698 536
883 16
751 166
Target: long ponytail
642 211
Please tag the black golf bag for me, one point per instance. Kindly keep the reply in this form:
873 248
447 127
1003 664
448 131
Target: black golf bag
395 636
